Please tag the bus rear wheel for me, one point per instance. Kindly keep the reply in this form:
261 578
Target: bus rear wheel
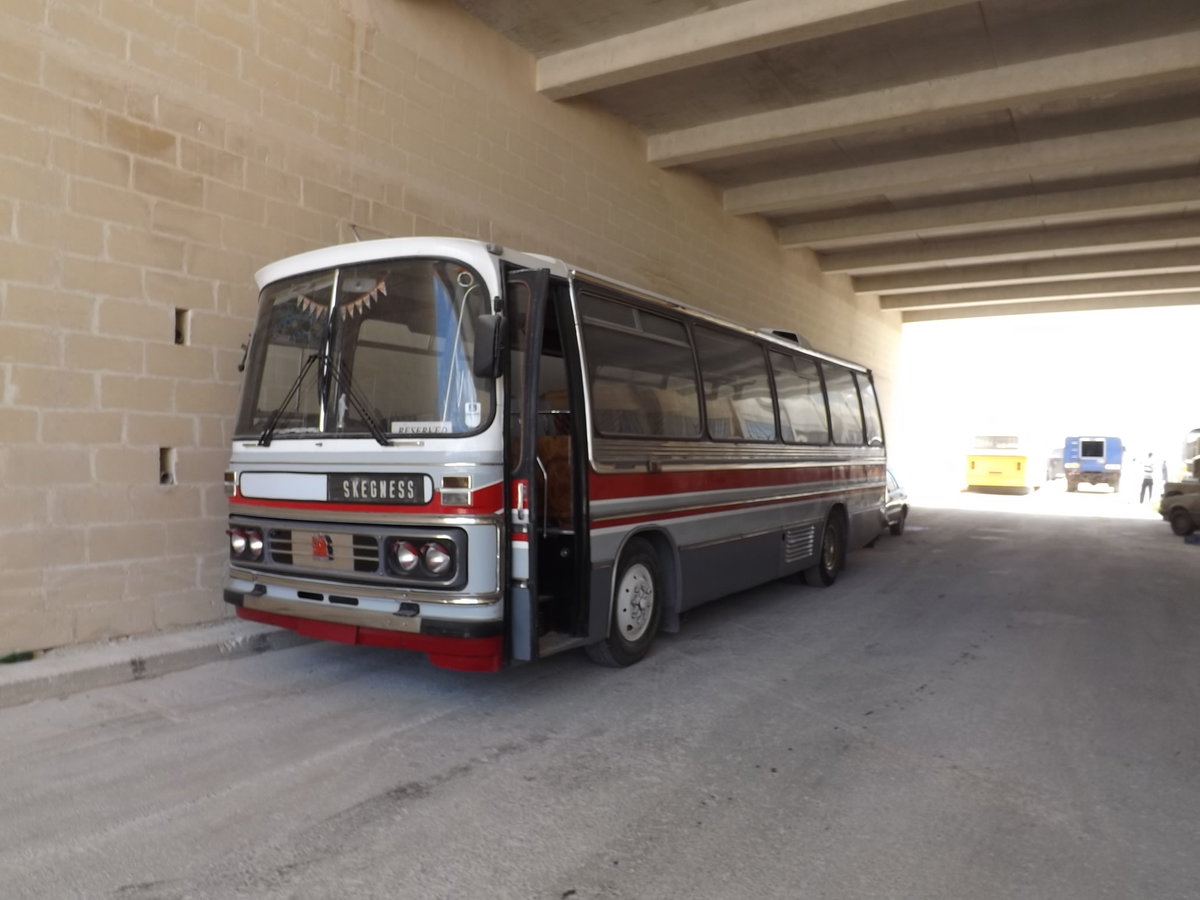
831 557
636 608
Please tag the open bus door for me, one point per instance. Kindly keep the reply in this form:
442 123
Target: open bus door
525 307
547 593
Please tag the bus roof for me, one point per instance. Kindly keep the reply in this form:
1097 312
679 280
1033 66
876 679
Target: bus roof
481 253
466 249
769 336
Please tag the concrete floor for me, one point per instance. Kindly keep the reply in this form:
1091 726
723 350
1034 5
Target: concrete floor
1002 703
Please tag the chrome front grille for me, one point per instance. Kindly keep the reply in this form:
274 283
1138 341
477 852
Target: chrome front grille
351 554
325 549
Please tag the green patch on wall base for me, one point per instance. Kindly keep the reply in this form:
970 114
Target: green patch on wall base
22 656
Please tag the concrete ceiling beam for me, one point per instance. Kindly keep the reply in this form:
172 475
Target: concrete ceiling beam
1171 142
1036 244
1188 282
1135 301
1158 60
1113 265
1143 199
748 27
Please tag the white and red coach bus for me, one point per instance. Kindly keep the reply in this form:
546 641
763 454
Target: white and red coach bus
489 456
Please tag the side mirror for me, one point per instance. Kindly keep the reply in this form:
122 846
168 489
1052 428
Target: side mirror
489 342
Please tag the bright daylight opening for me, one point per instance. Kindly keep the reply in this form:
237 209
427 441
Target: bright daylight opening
1127 373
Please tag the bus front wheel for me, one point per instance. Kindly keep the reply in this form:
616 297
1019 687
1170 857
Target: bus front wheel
636 608
831 557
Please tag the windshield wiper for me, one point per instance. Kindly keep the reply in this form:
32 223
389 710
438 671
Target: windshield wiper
342 378
264 439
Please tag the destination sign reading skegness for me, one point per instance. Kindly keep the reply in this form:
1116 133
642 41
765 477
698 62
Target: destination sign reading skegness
377 487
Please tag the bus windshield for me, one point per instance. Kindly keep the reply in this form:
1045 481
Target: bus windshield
381 349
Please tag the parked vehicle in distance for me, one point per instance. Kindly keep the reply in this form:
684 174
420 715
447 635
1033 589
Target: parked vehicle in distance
1190 456
1054 464
1005 463
1092 460
895 511
1180 506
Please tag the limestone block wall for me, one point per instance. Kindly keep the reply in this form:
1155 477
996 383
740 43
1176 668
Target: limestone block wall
155 153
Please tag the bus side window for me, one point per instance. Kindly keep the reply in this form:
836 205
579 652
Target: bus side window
870 406
737 388
844 410
678 410
722 420
616 408
642 373
801 399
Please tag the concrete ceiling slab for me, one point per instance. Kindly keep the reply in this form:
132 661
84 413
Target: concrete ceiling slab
914 140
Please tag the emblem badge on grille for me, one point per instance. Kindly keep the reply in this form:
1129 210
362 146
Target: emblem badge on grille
322 547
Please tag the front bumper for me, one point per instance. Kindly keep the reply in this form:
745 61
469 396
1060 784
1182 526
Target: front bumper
464 654
463 632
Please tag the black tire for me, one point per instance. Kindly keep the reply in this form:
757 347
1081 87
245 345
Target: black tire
897 527
636 608
831 556
1181 522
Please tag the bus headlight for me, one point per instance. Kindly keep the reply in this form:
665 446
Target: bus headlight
404 556
245 543
437 559
429 560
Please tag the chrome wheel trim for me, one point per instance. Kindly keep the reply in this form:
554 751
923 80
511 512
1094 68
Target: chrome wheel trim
829 551
635 602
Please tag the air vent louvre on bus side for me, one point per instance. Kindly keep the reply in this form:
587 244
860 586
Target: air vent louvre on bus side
799 543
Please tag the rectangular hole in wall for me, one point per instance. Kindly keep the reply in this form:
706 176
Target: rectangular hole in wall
166 465
181 325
